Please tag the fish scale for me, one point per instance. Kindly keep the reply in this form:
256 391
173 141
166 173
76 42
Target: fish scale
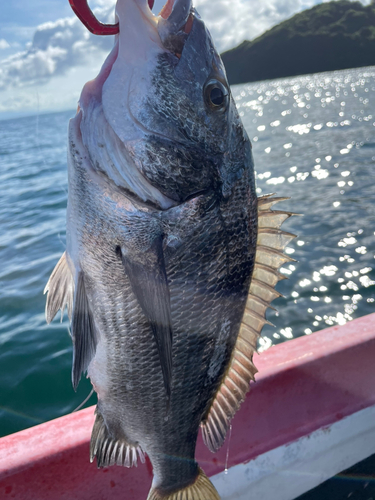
184 312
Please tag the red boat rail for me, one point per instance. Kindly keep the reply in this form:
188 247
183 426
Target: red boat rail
303 385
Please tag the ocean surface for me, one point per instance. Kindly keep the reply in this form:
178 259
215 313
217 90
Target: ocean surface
313 140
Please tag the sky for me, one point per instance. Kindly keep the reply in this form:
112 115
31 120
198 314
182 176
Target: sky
46 54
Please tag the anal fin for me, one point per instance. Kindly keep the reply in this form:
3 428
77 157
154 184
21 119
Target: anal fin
60 288
269 257
110 450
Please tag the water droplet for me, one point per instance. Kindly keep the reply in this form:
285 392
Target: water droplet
227 455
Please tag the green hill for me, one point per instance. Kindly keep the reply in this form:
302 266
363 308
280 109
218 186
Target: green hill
330 36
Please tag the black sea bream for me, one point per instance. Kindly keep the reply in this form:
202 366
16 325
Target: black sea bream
168 269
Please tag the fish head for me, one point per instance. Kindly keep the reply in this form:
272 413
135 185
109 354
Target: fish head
165 96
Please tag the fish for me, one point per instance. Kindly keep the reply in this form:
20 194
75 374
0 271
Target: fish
171 258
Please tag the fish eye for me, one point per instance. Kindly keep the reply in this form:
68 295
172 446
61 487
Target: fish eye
216 95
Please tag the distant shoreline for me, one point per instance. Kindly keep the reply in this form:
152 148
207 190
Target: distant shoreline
331 36
9 115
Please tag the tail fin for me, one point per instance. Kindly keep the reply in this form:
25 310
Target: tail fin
201 489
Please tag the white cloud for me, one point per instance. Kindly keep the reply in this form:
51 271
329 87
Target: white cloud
4 44
56 47
59 93
66 43
232 21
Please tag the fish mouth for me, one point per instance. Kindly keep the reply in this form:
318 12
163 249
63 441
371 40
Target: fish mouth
173 22
139 34
169 29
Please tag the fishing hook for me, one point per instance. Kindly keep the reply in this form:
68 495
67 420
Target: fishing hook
86 16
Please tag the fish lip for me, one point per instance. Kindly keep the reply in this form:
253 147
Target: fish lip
93 88
174 24
174 8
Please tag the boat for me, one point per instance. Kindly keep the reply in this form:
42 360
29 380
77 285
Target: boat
310 415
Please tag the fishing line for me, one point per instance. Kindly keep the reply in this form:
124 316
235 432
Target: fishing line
64 190
37 132
20 414
227 455
85 401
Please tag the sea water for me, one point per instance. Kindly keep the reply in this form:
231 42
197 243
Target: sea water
313 140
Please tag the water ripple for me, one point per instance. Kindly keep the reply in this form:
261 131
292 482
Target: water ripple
313 140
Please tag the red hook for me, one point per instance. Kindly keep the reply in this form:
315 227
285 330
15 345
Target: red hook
86 16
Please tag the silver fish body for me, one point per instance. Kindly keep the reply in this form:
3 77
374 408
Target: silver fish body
161 243
206 245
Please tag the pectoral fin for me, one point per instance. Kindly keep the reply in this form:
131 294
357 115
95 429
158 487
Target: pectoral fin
148 280
60 288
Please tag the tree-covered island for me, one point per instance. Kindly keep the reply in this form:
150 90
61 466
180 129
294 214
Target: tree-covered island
330 36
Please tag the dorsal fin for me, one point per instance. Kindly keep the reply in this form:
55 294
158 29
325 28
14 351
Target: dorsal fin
112 450
60 288
269 257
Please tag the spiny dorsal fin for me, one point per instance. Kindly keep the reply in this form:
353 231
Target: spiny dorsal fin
60 288
269 257
110 450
